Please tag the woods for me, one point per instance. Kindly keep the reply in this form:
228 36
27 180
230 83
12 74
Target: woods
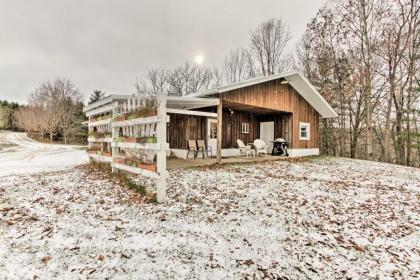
7 111
363 57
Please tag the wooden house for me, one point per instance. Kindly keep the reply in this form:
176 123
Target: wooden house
279 106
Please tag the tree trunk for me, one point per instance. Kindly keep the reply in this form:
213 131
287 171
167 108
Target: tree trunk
388 136
366 52
399 146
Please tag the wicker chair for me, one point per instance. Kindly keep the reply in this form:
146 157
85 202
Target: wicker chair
260 147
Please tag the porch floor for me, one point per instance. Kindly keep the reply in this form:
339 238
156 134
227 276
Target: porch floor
174 163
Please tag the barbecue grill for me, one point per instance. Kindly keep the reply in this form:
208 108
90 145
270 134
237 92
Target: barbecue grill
280 147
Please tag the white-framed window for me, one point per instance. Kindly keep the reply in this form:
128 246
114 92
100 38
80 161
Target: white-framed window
304 131
245 127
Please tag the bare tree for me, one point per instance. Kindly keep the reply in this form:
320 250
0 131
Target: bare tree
189 78
268 46
363 20
238 66
157 80
30 119
56 100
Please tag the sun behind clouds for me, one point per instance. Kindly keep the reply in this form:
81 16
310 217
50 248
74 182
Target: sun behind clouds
199 59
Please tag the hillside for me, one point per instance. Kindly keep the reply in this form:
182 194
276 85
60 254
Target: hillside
322 218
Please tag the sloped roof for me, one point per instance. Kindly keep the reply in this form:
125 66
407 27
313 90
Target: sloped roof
295 79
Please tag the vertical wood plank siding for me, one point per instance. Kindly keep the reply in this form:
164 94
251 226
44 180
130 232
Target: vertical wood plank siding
291 108
232 127
281 97
184 127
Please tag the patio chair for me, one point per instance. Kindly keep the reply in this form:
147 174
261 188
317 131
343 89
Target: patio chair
192 147
201 147
245 149
260 147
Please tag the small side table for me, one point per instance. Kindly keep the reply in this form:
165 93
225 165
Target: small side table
250 152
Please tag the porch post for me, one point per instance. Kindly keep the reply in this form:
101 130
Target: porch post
219 130
161 154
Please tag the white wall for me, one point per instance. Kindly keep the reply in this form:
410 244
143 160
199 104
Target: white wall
303 152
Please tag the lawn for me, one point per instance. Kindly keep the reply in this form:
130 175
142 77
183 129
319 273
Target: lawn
325 218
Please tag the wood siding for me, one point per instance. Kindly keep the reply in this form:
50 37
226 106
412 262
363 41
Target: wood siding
184 127
232 127
280 97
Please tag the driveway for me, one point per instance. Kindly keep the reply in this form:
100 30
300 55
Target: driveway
21 155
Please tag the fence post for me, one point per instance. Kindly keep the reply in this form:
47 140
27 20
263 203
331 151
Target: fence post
115 132
161 154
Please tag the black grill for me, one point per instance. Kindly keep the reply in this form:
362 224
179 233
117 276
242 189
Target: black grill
280 147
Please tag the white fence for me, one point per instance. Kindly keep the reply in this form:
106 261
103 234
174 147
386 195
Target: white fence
137 128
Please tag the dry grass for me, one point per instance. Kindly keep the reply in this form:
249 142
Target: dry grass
104 170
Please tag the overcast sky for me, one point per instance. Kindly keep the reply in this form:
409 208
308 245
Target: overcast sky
107 44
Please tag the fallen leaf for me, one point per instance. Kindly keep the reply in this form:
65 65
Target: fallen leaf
46 259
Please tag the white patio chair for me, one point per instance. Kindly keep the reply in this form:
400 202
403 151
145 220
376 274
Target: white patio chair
260 147
245 149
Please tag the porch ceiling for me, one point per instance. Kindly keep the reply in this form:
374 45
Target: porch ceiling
249 108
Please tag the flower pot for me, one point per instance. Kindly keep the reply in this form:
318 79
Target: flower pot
150 167
132 116
150 140
120 161
130 140
107 154
120 118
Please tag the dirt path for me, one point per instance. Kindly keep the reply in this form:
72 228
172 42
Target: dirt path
21 155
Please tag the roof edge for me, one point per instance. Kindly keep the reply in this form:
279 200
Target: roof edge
328 113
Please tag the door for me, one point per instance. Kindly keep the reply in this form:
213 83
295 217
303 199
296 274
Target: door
267 134
212 135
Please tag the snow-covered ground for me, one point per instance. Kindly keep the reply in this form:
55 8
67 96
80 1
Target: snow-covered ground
21 155
326 218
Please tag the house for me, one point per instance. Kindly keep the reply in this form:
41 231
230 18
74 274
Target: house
279 106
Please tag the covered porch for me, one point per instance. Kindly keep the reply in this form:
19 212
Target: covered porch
222 125
247 123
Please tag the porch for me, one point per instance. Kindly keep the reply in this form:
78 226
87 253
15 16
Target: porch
236 121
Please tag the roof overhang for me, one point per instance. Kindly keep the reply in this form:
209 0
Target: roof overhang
105 101
189 103
294 78
173 102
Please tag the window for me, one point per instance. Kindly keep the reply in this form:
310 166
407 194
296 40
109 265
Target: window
304 131
245 127
213 130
